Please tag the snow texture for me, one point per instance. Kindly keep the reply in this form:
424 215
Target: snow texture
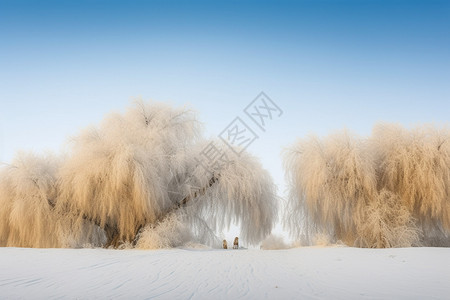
302 273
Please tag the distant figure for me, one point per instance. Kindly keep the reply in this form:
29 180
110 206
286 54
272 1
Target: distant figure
225 245
236 243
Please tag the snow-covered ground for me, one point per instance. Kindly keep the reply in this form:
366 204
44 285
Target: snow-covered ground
302 273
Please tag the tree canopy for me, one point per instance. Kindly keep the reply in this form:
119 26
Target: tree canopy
135 179
391 189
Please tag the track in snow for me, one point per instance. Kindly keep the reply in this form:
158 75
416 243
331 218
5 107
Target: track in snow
302 273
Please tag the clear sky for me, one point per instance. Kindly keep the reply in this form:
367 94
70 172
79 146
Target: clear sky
327 64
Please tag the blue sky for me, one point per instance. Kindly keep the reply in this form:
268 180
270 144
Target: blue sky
327 64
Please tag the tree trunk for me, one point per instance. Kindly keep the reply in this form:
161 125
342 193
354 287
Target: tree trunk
113 234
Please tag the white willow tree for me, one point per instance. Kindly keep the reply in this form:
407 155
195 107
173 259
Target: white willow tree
390 190
27 193
331 181
136 176
387 223
415 165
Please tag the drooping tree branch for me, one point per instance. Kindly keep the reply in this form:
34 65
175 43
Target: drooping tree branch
113 234
112 231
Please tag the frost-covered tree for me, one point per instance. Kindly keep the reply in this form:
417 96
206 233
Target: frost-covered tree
389 190
331 181
415 165
387 223
28 190
136 176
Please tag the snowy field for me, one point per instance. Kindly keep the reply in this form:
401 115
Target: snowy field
302 273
